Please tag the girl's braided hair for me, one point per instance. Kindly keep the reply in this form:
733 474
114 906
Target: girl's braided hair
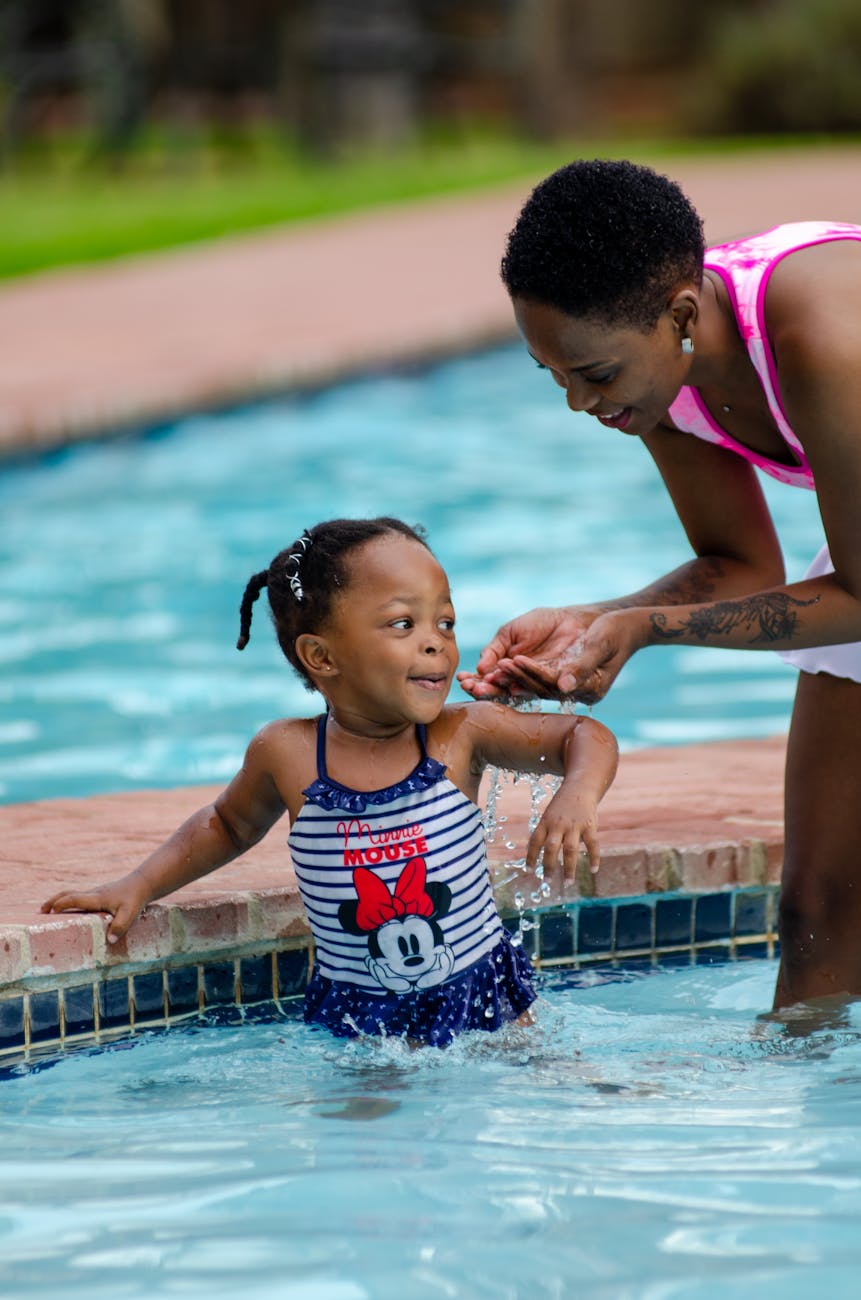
604 240
304 580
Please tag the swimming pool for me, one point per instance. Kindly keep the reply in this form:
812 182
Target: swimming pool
122 565
650 1137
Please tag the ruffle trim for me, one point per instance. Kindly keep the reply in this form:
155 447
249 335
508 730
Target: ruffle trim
490 994
326 793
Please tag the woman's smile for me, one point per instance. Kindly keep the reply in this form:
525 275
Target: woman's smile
616 420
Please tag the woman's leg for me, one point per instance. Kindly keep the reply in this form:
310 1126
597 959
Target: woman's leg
820 900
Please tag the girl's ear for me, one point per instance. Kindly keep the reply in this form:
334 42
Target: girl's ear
314 655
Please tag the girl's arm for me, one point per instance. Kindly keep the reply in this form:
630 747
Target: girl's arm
210 838
579 749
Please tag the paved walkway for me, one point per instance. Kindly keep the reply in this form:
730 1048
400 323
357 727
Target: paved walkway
90 350
87 351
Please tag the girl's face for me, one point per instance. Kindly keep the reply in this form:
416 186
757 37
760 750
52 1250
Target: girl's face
626 378
391 636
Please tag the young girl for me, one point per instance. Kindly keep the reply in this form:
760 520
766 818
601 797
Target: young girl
386 837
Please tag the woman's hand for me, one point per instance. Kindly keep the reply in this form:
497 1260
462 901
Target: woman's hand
123 899
556 653
542 636
587 667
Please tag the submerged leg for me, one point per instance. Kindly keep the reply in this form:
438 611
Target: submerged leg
820 900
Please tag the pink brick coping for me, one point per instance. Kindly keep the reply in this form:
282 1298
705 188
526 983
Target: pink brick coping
693 818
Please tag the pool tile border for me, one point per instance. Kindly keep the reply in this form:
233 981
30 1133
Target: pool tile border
100 1004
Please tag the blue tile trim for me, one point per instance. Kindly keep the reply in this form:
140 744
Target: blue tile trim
634 927
751 912
654 926
148 994
682 928
182 990
219 983
673 922
114 1010
12 1022
293 973
595 928
255 978
80 1010
712 917
45 1016
556 935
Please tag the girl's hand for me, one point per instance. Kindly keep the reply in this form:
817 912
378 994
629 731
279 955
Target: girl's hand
568 820
541 636
124 900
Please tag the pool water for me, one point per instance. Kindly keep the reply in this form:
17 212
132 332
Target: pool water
649 1137
122 565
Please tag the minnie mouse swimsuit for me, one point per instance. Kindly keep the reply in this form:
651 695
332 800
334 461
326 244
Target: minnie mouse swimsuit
397 892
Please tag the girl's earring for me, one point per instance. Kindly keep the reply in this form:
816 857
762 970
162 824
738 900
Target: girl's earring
687 344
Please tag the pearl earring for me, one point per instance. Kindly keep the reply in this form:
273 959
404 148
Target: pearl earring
687 344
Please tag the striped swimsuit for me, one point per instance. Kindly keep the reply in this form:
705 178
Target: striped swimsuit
397 891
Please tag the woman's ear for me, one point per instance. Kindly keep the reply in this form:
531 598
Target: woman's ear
313 653
684 307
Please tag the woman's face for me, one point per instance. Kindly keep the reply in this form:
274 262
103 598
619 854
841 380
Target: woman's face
626 377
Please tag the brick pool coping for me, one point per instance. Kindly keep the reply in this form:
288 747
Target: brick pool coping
694 818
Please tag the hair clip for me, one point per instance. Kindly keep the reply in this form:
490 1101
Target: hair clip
297 557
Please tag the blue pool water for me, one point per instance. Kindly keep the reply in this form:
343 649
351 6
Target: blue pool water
648 1139
122 565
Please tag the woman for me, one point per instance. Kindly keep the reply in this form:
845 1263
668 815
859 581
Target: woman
746 355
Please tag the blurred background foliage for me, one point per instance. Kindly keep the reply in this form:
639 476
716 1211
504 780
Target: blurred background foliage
135 124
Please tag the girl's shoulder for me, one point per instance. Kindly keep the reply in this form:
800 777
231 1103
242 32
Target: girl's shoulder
286 731
286 748
465 717
462 732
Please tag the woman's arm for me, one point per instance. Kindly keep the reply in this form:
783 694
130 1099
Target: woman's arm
723 511
818 353
210 838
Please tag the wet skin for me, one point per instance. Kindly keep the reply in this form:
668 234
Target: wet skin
733 592
384 662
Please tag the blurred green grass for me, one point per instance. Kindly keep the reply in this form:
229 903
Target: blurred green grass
60 204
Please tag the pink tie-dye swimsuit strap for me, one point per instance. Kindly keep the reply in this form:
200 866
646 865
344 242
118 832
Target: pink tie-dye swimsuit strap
745 266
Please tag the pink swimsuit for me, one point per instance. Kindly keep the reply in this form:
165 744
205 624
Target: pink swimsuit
745 266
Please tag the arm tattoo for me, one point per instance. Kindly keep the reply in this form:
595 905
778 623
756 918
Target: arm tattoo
692 584
768 617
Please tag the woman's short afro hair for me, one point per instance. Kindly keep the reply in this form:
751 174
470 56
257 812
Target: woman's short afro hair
604 240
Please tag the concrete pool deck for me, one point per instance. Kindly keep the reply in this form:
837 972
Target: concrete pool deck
89 351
